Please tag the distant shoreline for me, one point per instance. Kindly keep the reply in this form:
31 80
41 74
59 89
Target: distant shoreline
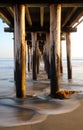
62 58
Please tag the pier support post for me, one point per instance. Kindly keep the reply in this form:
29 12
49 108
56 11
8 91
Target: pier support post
48 53
38 60
28 50
34 55
68 48
55 24
20 50
61 65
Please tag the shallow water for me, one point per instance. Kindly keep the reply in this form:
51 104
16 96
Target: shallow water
7 77
34 109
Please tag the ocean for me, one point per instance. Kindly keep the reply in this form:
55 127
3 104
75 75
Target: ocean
7 86
77 70
6 77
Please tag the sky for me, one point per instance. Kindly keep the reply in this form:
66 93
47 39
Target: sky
76 43
6 43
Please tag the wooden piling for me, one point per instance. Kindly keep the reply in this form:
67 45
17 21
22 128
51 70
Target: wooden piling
20 50
34 55
48 53
68 48
53 67
61 65
28 50
55 22
57 38
38 60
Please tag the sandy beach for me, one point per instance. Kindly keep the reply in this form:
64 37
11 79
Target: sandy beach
37 113
72 120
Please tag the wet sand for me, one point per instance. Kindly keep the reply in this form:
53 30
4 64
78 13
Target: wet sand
21 118
40 112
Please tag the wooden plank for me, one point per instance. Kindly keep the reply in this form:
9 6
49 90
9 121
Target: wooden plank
76 19
63 5
5 3
28 16
30 29
69 16
79 22
41 16
11 11
42 30
69 29
68 47
5 19
72 5
8 29
20 51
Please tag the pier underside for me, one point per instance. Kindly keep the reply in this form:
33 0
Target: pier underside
41 26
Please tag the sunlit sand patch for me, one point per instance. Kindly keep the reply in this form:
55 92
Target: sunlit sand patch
13 113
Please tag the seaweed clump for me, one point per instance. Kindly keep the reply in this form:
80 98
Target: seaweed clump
64 94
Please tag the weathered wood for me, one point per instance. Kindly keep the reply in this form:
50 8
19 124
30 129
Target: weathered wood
69 16
13 2
28 50
20 50
38 57
33 28
55 21
68 47
5 19
43 29
45 57
57 32
28 17
38 64
69 29
53 67
14 54
48 53
76 18
10 10
72 5
41 16
61 65
34 55
79 22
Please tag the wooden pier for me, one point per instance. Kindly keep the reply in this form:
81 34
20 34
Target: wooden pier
38 22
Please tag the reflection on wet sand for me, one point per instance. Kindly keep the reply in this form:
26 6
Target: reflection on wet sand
12 114
37 105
